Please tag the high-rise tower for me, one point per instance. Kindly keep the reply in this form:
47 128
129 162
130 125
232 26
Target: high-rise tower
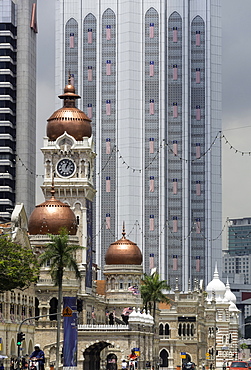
149 75
17 105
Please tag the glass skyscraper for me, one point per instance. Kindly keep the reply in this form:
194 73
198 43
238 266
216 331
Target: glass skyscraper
17 105
149 73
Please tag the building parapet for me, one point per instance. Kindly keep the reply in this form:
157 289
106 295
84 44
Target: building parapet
101 327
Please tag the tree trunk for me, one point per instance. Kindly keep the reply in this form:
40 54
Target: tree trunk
58 322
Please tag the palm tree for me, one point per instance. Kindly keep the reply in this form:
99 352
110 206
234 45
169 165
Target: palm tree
152 291
61 255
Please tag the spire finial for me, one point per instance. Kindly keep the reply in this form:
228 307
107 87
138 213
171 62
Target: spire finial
52 186
69 77
123 230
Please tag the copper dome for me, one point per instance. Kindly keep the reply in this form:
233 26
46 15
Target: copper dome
69 118
51 216
123 252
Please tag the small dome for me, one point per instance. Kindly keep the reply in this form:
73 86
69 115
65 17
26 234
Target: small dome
229 295
233 308
69 118
123 252
51 216
216 286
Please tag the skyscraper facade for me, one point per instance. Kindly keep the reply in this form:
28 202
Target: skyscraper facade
149 73
17 105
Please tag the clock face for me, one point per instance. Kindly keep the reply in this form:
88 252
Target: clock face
65 167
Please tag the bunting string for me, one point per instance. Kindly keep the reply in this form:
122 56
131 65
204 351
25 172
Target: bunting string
163 145
167 224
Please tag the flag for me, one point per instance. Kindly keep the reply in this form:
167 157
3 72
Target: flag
198 188
151 69
93 314
197 75
175 262
175 34
33 23
151 31
126 311
108 221
197 263
108 68
89 77
175 110
134 289
175 224
108 107
71 40
108 184
175 186
108 146
89 37
151 106
151 145
151 261
151 184
197 150
175 147
89 111
72 79
151 223
198 116
197 42
108 32
175 72
197 225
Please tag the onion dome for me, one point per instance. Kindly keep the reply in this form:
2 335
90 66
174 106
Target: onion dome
229 295
123 252
233 308
69 118
51 216
216 286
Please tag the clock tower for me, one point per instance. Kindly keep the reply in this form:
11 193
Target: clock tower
69 162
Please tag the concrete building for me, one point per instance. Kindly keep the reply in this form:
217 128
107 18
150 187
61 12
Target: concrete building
149 75
199 326
236 266
17 105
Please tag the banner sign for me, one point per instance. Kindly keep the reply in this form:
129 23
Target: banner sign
70 333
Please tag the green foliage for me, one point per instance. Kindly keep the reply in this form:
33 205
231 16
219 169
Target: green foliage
243 345
18 265
61 255
152 291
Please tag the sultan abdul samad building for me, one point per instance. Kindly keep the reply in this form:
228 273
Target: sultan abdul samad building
110 321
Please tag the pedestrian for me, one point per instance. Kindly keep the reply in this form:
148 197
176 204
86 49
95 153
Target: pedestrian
1 366
124 364
224 366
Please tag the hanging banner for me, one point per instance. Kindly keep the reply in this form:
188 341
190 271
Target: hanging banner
70 333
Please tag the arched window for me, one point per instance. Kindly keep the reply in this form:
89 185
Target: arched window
192 330
53 308
161 331
184 330
164 358
188 329
179 330
167 331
